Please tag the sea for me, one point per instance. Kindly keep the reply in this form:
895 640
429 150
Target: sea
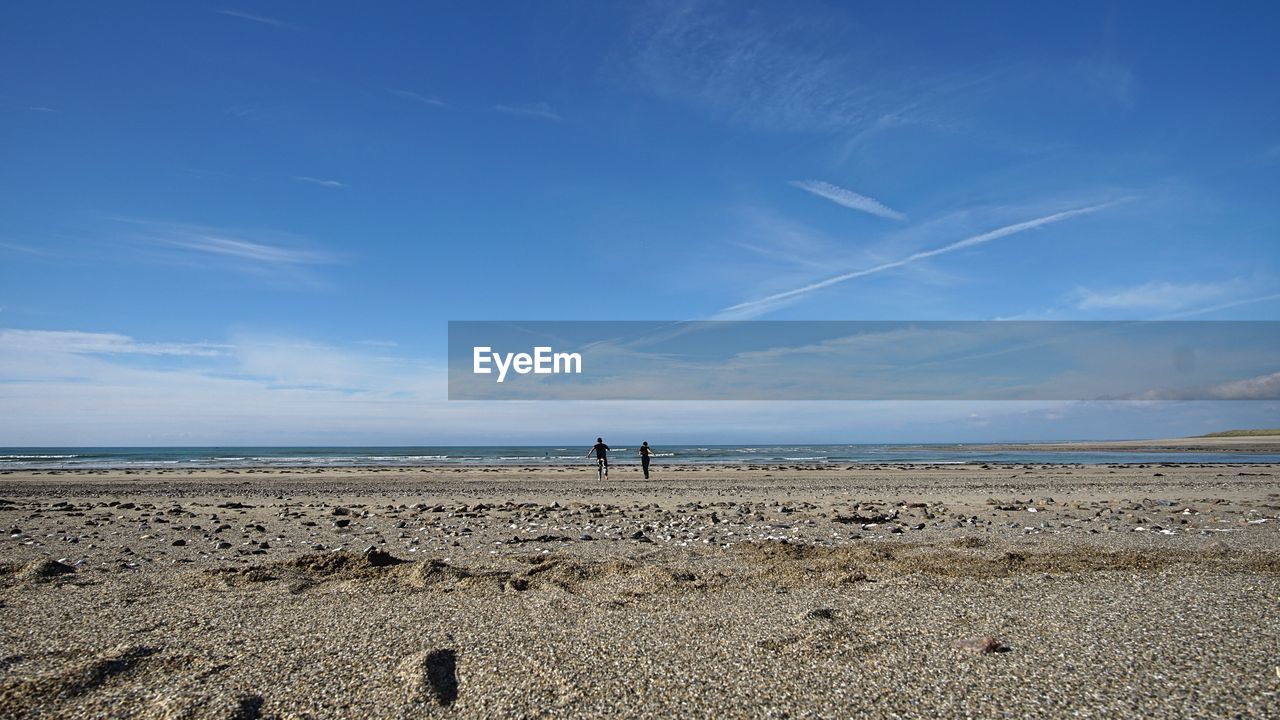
63 458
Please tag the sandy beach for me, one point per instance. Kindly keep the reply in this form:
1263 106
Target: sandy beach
778 591
657 360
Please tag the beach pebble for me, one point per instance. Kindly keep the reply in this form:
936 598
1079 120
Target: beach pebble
982 645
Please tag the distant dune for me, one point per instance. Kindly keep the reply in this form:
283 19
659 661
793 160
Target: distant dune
1264 432
1244 441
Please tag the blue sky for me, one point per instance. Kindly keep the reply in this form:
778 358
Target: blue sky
250 222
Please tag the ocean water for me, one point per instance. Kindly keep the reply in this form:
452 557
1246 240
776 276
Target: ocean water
47 458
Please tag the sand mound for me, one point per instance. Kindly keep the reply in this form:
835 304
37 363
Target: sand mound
621 575
438 575
554 573
809 564
343 563
232 577
302 572
776 564
76 678
41 570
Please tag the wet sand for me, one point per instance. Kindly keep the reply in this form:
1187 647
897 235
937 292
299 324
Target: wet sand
766 591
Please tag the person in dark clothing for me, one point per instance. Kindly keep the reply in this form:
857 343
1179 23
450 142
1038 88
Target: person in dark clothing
646 452
601 451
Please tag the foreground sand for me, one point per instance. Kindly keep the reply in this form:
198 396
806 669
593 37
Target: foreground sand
1141 590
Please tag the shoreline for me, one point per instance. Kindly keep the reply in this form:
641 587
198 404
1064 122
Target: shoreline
628 468
759 456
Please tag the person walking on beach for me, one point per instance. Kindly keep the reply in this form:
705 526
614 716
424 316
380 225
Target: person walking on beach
601 452
646 452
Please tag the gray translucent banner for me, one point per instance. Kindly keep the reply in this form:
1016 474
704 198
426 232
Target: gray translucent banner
848 360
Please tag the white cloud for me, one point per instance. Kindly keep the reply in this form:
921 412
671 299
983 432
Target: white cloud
262 19
848 198
419 98
1261 387
72 342
26 250
754 308
264 249
777 239
248 250
319 181
1113 80
1159 296
1226 306
533 110
778 71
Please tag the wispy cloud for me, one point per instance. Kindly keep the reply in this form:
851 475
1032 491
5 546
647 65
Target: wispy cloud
1172 301
754 308
419 98
264 250
534 110
1112 80
1261 387
759 74
41 108
318 181
20 249
848 198
1105 69
780 240
246 249
96 343
205 172
1151 296
1226 306
779 71
1155 300
263 19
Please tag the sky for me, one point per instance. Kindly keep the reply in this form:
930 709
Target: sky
249 223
